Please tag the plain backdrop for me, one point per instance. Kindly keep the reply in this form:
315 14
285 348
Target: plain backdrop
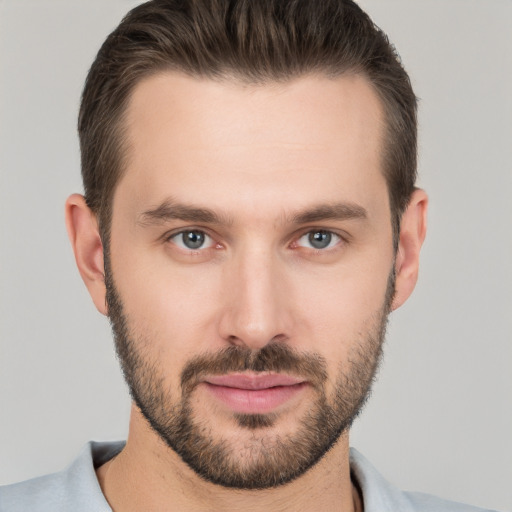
440 419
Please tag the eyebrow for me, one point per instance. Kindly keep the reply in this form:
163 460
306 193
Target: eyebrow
172 210
335 211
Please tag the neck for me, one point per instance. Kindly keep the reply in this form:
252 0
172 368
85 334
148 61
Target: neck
148 475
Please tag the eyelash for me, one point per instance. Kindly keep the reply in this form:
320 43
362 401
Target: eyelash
172 236
325 232
294 245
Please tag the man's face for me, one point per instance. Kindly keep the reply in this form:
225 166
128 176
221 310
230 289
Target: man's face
250 268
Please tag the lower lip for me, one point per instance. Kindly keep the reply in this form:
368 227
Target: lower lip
255 401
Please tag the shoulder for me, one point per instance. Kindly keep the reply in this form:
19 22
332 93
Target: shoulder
428 503
381 496
38 494
75 488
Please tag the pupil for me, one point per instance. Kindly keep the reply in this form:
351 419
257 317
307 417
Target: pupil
193 239
320 239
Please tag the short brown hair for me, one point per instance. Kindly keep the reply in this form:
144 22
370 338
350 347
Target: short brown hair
256 41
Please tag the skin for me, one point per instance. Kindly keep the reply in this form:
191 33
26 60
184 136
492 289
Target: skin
256 156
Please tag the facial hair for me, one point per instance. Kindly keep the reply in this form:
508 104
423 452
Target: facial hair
267 461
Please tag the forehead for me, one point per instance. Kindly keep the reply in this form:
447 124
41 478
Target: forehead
237 142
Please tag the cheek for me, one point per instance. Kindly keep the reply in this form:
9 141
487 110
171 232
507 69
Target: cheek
172 306
341 309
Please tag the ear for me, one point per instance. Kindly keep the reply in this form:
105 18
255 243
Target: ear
413 228
84 235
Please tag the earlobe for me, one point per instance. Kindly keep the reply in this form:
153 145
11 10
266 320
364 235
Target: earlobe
413 228
84 235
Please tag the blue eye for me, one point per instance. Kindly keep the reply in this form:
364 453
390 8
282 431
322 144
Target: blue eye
192 240
319 239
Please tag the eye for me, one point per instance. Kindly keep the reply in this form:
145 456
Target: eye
319 239
192 240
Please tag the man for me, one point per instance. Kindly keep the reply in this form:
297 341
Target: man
249 221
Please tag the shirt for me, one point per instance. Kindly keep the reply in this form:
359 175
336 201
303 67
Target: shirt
77 489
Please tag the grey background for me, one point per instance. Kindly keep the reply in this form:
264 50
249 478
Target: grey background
440 419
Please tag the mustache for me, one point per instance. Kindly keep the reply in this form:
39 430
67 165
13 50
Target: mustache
273 357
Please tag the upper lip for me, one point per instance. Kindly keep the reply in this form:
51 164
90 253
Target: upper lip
253 381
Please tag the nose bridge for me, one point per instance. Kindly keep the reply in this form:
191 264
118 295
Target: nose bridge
256 310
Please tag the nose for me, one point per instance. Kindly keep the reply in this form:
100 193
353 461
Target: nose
257 301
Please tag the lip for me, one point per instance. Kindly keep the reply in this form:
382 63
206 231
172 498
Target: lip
253 381
253 393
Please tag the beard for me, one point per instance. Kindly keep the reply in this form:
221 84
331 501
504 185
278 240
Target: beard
268 459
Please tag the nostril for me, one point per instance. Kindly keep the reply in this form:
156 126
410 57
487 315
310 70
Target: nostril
280 338
237 342
252 343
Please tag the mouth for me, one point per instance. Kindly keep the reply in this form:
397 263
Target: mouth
254 393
